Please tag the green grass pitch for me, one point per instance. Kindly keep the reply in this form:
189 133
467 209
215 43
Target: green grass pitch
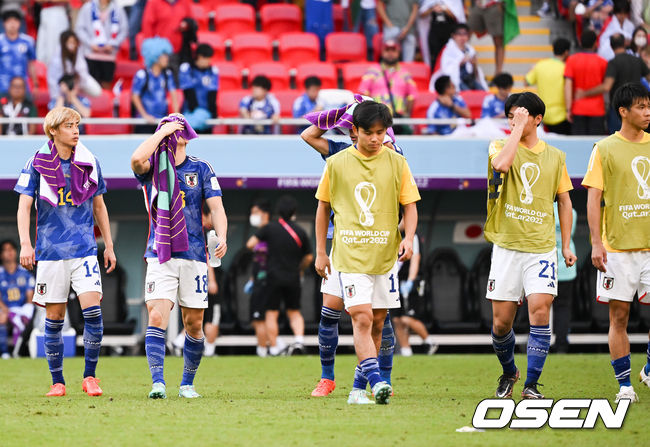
248 401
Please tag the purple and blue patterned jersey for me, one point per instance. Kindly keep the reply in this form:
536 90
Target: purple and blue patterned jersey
14 286
15 56
65 231
197 182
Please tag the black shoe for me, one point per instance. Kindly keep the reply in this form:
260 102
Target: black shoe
506 384
296 349
531 392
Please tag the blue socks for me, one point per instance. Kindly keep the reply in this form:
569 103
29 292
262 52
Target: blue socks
328 340
154 345
370 369
622 370
192 353
539 342
647 366
360 381
93 332
504 347
3 339
54 349
386 350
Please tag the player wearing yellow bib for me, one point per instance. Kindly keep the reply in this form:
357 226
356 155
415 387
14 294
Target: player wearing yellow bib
617 176
364 186
525 176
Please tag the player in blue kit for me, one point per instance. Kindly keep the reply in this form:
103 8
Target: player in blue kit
17 52
200 83
17 291
177 271
65 180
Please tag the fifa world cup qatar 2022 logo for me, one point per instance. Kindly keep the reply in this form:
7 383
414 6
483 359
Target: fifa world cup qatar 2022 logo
641 170
365 194
529 175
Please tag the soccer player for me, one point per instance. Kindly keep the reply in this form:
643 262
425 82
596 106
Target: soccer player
177 271
65 180
525 176
356 184
617 176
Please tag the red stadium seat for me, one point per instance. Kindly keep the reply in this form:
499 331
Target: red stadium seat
228 103
420 106
345 47
216 41
298 48
376 46
233 19
250 48
325 71
139 38
126 70
286 99
353 72
474 100
338 14
41 97
230 77
200 15
276 71
102 107
211 5
280 18
41 73
123 51
420 72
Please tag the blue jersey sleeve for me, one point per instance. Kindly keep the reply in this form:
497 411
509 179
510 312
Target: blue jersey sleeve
31 51
138 82
28 180
101 185
215 80
185 78
245 102
335 147
211 187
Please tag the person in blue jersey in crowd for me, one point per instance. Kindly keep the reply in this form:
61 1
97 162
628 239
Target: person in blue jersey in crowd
17 291
308 101
447 105
17 52
332 294
177 270
494 104
259 105
64 181
200 83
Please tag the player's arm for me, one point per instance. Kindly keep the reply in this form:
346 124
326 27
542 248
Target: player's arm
568 97
306 260
27 255
605 87
137 103
313 136
213 285
140 158
598 252
219 223
565 214
503 160
100 213
322 265
414 266
410 224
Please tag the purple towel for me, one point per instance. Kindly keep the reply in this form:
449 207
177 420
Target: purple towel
83 173
341 117
166 202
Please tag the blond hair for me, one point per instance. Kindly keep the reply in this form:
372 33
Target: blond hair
58 116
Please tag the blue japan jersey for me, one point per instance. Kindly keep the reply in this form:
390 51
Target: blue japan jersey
492 107
154 97
15 286
197 182
14 58
65 231
202 81
440 111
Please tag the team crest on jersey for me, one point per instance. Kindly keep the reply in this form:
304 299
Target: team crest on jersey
491 285
151 286
608 283
191 179
41 288
349 291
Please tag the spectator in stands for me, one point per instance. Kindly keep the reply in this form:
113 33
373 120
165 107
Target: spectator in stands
645 57
597 12
135 26
623 68
200 83
289 254
319 19
308 101
151 85
639 40
487 16
447 105
259 105
53 21
437 21
101 26
15 5
399 18
68 60
493 105
458 61
548 76
583 71
389 83
367 16
620 24
69 96
16 52
162 18
638 11
16 104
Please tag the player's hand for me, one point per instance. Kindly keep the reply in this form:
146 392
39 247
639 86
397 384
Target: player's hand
599 257
520 118
27 256
405 250
580 93
213 287
569 257
169 127
322 265
569 116
109 259
446 101
222 248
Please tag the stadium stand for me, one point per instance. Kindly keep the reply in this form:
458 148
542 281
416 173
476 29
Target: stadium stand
230 76
276 71
353 72
277 19
345 47
323 70
216 41
235 18
298 48
249 48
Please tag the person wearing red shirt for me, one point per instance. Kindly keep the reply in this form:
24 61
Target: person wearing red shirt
583 71
163 18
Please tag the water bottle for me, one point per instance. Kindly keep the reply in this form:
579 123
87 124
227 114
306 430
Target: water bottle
213 243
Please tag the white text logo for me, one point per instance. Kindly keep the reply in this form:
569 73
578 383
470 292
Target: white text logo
641 173
529 175
366 217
